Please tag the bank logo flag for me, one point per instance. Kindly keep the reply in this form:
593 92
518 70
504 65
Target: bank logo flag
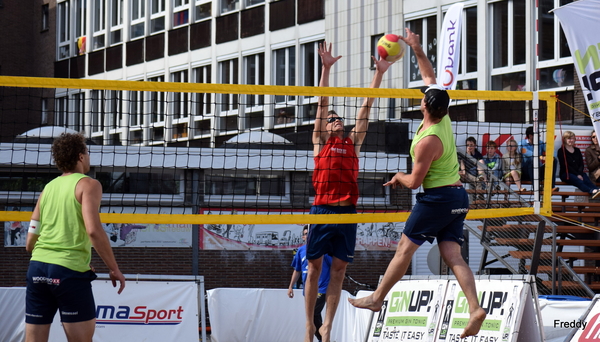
580 21
450 47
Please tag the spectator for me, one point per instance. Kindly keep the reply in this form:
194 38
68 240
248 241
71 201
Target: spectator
300 265
526 147
493 162
511 161
468 165
592 158
571 166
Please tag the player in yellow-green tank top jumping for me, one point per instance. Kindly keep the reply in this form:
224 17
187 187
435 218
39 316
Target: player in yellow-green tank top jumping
64 225
443 205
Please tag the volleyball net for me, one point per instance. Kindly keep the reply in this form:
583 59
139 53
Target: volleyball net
200 153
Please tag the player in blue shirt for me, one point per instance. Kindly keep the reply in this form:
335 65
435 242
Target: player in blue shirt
300 265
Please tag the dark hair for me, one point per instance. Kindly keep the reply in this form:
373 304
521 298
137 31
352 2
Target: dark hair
66 150
472 139
305 227
332 112
529 131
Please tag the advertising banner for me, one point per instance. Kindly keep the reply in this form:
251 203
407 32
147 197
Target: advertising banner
144 311
131 234
580 24
450 47
411 311
369 236
587 328
120 234
437 310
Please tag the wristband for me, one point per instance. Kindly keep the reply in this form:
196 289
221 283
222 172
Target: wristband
34 227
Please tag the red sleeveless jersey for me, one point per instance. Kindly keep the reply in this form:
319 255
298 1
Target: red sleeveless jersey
336 172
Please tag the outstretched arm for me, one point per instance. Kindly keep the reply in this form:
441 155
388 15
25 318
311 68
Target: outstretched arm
414 41
359 131
323 105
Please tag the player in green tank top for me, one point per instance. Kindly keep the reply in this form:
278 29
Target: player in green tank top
64 225
440 210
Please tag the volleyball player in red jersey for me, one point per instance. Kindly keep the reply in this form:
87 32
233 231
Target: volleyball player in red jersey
336 192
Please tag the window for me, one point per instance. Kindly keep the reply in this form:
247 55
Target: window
99 24
255 75
248 3
45 109
26 181
80 25
203 10
136 108
374 51
45 17
180 100
116 21
508 33
229 75
202 101
115 109
76 117
63 30
61 113
427 29
157 17
181 12
157 102
311 75
139 183
311 64
97 111
229 5
467 71
138 18
284 70
245 185
549 28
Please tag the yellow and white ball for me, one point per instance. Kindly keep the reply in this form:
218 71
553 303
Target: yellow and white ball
390 47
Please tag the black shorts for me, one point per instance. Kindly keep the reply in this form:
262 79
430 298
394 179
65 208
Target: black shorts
438 214
52 287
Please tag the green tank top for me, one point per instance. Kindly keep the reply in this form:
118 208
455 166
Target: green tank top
63 239
443 171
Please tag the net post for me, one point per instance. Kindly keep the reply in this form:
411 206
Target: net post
535 105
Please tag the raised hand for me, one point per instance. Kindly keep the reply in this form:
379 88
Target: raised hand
326 57
381 65
411 39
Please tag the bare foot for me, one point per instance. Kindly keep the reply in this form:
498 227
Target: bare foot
325 333
366 303
475 321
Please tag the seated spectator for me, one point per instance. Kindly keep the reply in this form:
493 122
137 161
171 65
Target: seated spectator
511 161
571 166
592 158
526 147
493 163
468 169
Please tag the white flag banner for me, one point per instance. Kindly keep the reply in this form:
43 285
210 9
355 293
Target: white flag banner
449 46
580 21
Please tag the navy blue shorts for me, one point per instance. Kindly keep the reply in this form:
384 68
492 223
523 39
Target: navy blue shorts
52 287
438 214
337 240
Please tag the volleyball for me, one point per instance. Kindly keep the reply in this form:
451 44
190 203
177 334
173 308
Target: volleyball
390 47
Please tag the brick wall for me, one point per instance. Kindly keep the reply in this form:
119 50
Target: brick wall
220 268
